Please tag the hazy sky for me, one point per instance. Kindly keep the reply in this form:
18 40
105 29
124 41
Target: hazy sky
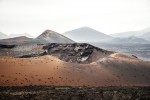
108 16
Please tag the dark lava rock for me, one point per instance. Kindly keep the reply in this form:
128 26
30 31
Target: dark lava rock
76 53
134 56
33 55
73 53
3 46
74 93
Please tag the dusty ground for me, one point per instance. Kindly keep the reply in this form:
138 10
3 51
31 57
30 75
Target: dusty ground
114 70
74 93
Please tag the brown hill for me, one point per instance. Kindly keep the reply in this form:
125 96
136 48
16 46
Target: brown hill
113 70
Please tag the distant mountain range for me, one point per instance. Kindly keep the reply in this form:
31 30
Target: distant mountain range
19 35
145 34
83 34
48 36
4 36
86 34
126 40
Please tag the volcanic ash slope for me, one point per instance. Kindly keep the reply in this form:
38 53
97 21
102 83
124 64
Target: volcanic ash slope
113 70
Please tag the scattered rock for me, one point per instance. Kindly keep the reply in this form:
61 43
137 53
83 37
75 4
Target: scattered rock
74 93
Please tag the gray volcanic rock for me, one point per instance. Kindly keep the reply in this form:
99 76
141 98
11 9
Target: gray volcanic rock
73 53
50 36
77 52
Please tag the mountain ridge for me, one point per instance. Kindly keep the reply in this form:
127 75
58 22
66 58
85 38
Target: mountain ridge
137 33
131 39
86 34
49 36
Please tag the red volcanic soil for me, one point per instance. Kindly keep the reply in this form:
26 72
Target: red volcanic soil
114 70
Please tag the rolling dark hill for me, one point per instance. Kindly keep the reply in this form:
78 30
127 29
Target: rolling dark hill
16 40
